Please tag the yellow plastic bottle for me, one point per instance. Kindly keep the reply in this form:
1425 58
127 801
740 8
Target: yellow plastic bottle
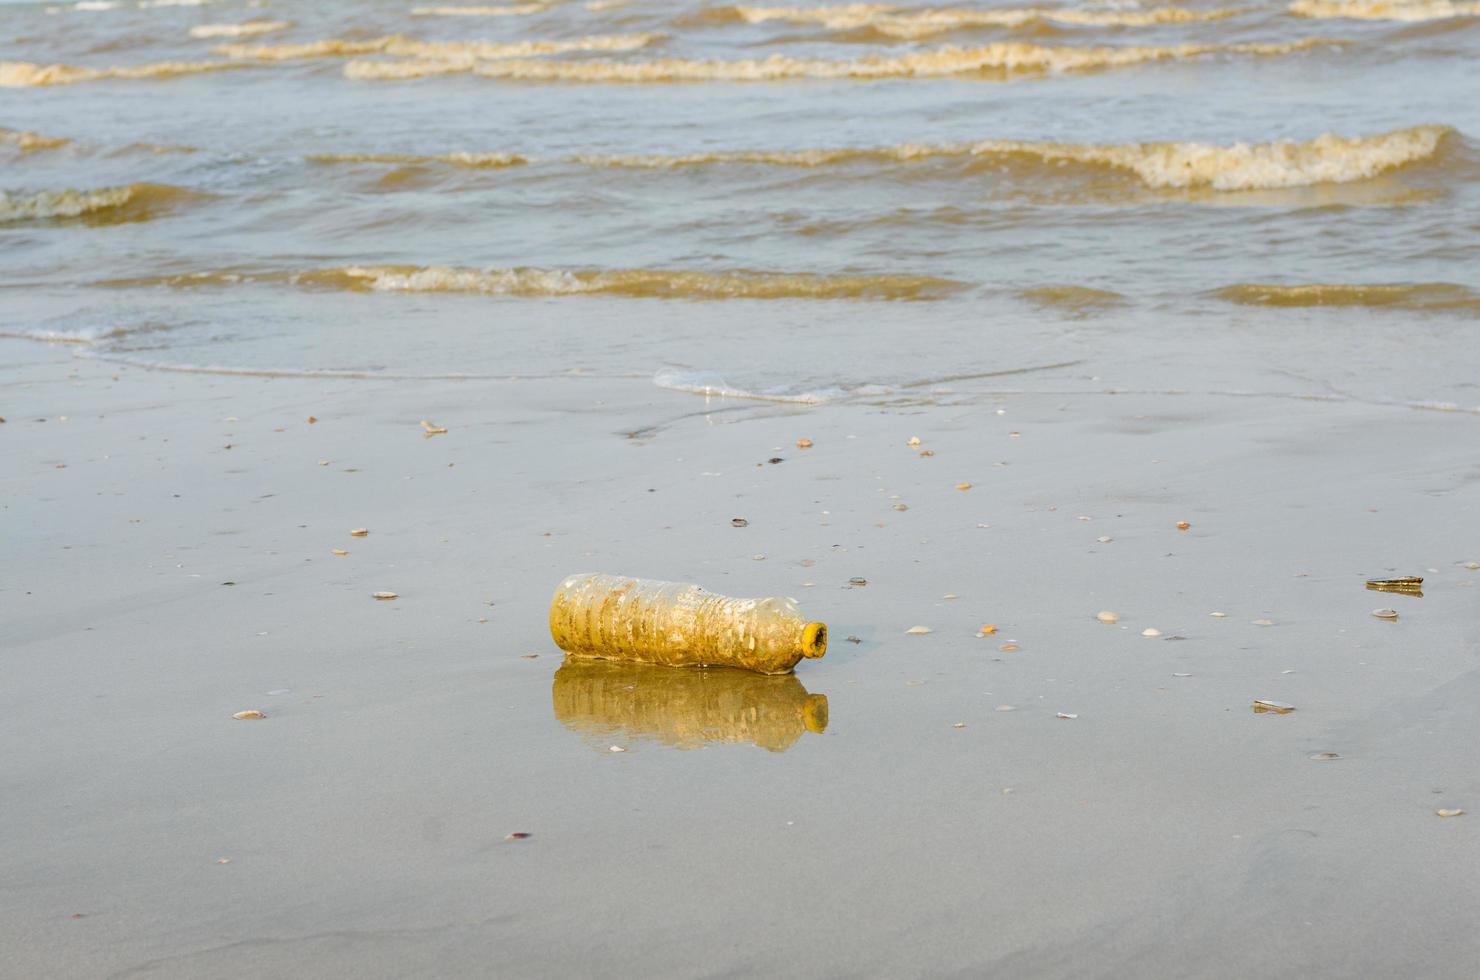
676 624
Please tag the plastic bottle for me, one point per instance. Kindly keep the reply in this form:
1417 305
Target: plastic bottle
676 624
685 709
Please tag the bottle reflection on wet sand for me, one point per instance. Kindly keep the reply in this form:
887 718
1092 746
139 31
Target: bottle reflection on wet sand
684 708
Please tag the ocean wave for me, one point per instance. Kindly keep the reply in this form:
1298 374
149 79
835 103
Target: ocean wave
250 28
994 60
1424 296
26 141
1074 301
526 282
448 51
78 335
1404 10
513 10
477 161
907 23
1242 166
25 74
713 386
107 205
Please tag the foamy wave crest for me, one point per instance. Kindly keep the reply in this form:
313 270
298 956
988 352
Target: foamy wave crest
513 10
1325 159
107 205
993 60
636 283
24 74
1425 296
250 28
80 335
477 161
713 386
1411 10
449 51
903 22
26 141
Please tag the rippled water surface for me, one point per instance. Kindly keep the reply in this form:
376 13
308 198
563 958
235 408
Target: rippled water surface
819 201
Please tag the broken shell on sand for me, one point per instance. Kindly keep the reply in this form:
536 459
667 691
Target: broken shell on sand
385 595
1107 617
1275 707
804 443
252 715
359 532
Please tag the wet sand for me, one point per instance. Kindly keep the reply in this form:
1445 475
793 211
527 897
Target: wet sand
1167 830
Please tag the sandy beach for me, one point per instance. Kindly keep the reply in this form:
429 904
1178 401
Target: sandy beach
1077 365
169 545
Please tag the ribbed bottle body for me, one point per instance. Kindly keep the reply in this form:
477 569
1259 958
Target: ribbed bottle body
678 624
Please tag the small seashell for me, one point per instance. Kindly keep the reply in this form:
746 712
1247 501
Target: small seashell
433 430
1183 525
1449 813
959 724
901 506
858 581
1009 647
1067 717
917 630
517 835
252 715
950 595
1218 615
963 486
1385 613
739 522
1324 756
804 443
987 629
616 748
1277 707
359 532
927 452
1107 617
1151 631
914 440
1263 622
385 595
1104 539
1472 565
1006 707
338 551
311 420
